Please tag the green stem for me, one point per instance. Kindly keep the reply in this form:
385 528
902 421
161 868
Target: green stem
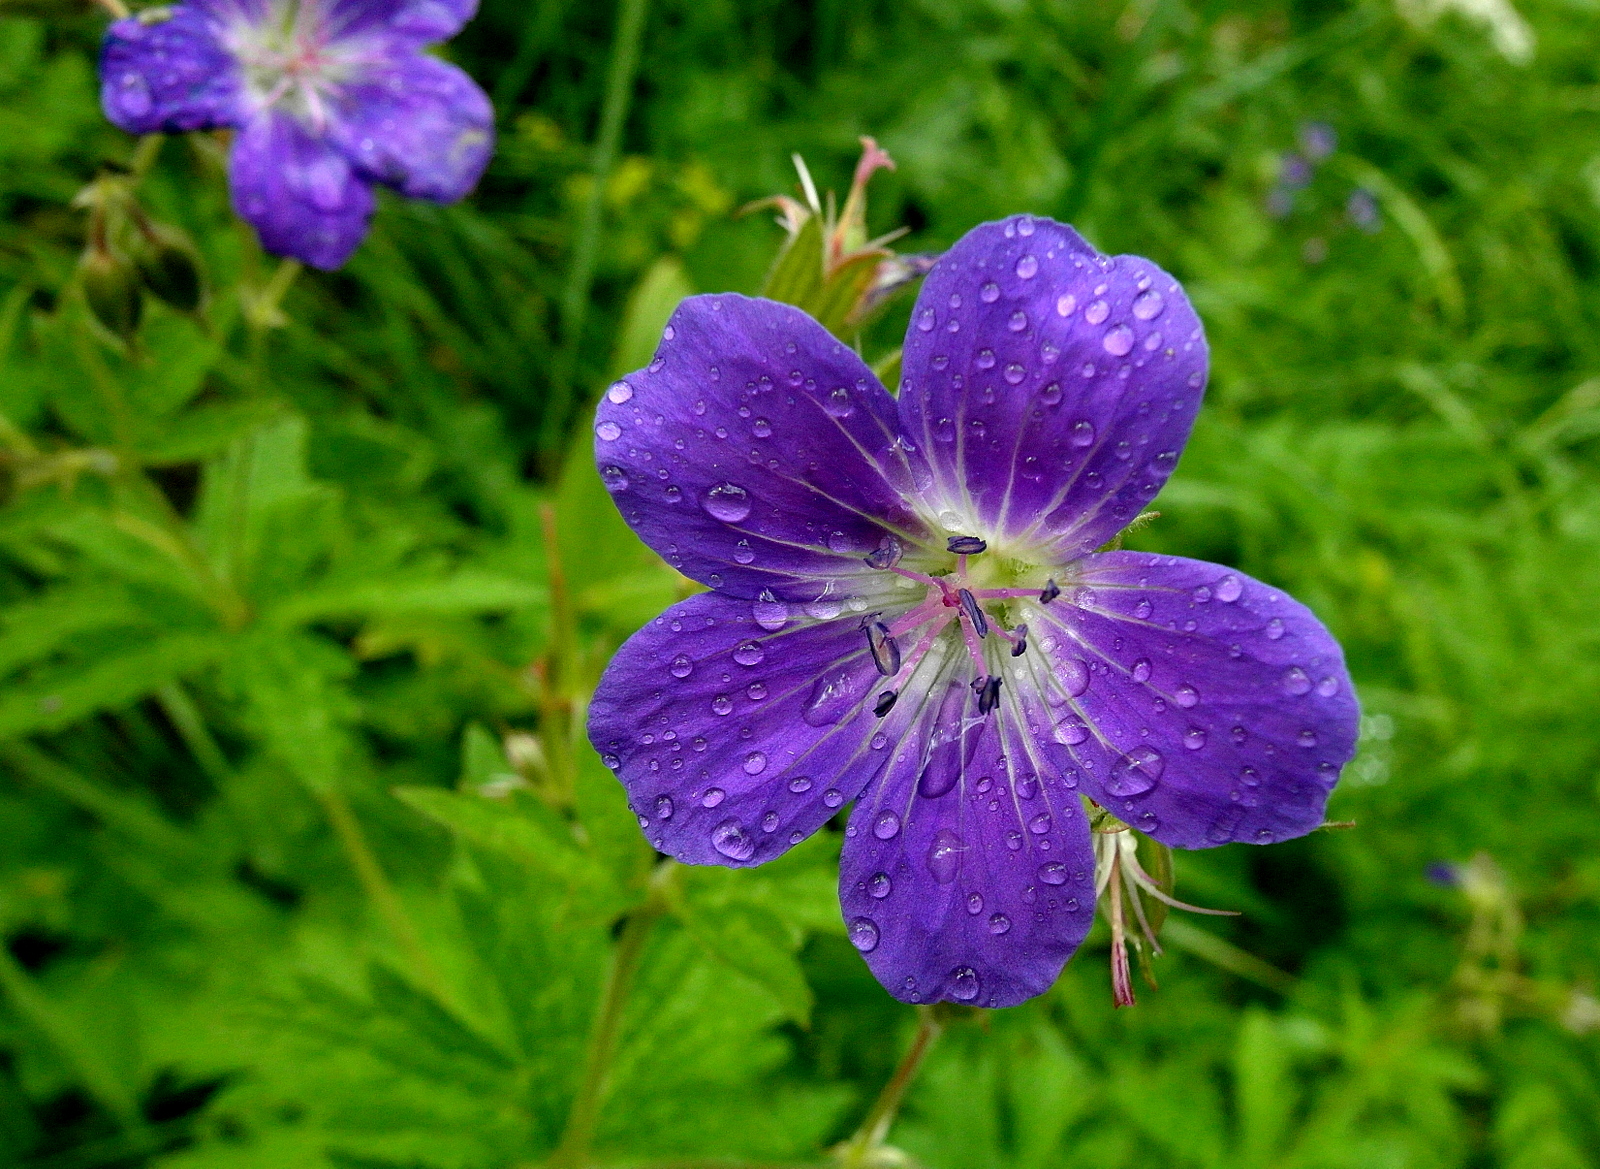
875 1128
583 1118
191 726
380 892
575 299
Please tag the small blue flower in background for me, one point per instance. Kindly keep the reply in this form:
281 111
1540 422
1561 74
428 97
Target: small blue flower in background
908 610
328 96
1318 140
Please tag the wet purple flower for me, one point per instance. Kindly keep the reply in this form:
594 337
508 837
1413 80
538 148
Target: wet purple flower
328 96
856 644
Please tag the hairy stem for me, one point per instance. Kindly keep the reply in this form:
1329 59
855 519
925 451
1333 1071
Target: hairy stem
875 1128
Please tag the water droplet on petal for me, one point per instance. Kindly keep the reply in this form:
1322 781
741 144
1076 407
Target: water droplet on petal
974 903
722 704
863 934
133 98
999 924
886 825
1051 394
1097 312
1148 305
681 666
1143 610
985 359
1118 341
838 403
1141 670
772 615
1071 733
743 553
1328 687
1014 374
989 293
732 841
964 985
1307 738
800 783
1082 433
944 857
833 797
1027 266
1040 824
1136 772
609 430
1186 696
1194 738
749 653
615 479
1054 873
1274 629
1295 681
1065 303
713 797
727 502
755 763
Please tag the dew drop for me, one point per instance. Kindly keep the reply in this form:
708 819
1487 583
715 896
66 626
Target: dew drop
1328 687
1229 589
833 797
989 293
615 479
944 856
1027 266
879 886
1136 772
772 615
609 430
1054 873
1307 738
1143 610
1040 824
974 903
1071 733
749 653
1014 840
838 403
1018 321
864 934
1097 312
985 359
732 841
722 704
1194 738
1148 305
755 763
1274 629
799 784
999 924
681 666
1051 394
1141 670
886 826
727 502
1073 674
1065 303
743 553
133 96
1202 595
1118 341
1186 696
761 428
1295 681
964 984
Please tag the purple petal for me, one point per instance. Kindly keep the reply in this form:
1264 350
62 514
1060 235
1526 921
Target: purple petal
170 75
967 873
298 192
418 124
418 21
1052 387
1195 703
735 742
756 453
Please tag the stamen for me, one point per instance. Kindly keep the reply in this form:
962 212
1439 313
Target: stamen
886 702
885 653
969 605
885 555
988 692
966 545
921 615
1121 980
1050 591
1019 640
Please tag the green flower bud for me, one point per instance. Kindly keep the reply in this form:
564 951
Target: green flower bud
170 267
111 286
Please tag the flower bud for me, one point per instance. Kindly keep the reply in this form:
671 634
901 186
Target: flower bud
170 268
111 286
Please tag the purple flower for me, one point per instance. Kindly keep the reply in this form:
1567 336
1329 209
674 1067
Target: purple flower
328 96
856 644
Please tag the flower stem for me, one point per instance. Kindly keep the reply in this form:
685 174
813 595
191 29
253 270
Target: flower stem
584 1116
575 299
875 1127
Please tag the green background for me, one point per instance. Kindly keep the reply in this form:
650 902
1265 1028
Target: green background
269 599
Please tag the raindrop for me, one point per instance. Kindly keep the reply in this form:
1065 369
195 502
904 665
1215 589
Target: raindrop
1040 824
609 430
1071 733
1014 374
769 822
730 839
1018 321
989 293
1051 394
615 479
1274 629
1054 873
1147 306
742 552
833 797
999 924
1143 610
663 807
762 428
1028 787
1186 696
880 886
722 704
755 763
1027 266
619 392
1194 738
1136 772
1065 303
832 696
985 359
133 96
1202 595
1141 670
1328 687
944 430
1014 840
769 613
944 857
863 934
1295 681
1073 674
974 903
838 403
799 784
886 825
681 666
925 320
1118 341
749 653
1229 588
1097 312
727 502
1307 738
668 333
964 984
713 797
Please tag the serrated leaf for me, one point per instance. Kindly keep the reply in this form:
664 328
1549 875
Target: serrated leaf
745 936
796 275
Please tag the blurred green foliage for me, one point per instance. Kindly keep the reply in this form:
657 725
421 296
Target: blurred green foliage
303 858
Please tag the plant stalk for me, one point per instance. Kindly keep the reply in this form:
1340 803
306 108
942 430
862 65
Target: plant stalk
875 1128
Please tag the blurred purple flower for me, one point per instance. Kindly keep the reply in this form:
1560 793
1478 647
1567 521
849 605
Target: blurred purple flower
1280 202
1318 140
908 611
328 96
1294 172
1445 875
1361 208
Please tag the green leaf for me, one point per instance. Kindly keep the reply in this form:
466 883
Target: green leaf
745 936
796 275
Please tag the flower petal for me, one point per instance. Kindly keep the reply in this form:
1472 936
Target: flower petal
756 452
419 21
169 75
1051 387
735 742
967 873
298 192
418 124
1195 703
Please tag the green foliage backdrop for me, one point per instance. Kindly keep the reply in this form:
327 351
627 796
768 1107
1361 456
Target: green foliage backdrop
303 859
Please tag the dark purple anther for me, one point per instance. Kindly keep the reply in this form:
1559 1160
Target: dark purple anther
885 653
966 545
988 693
1021 646
886 702
1050 591
969 606
885 555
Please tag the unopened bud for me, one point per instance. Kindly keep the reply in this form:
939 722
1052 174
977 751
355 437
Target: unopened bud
170 266
111 286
